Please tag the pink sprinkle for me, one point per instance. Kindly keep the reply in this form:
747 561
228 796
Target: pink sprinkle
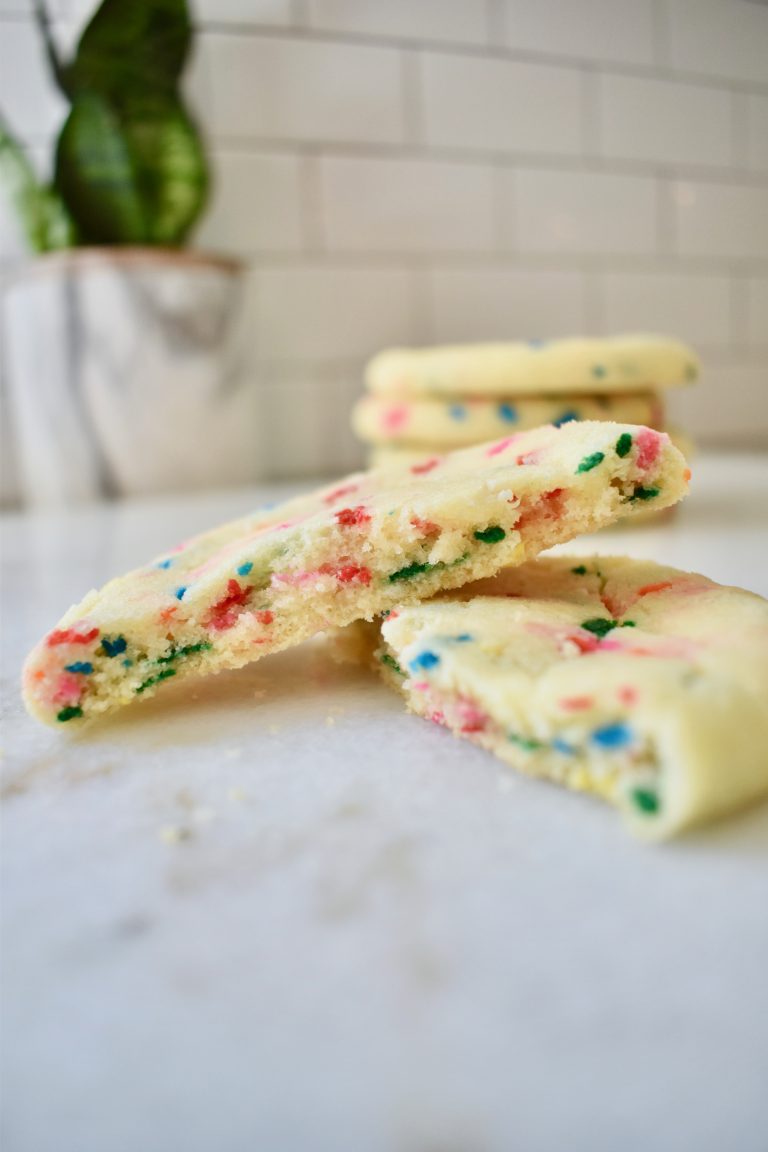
648 447
427 466
647 589
337 493
576 703
420 686
501 446
426 527
609 645
438 718
395 418
68 689
80 634
627 695
473 719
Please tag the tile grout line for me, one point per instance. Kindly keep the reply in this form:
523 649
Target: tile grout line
305 32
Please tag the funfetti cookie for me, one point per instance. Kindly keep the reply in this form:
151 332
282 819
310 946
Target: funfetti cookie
449 424
642 684
616 364
385 455
346 552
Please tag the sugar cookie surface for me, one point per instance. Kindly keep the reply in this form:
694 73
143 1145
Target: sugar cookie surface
452 423
617 364
346 552
643 684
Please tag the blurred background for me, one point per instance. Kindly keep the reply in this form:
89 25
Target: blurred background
423 171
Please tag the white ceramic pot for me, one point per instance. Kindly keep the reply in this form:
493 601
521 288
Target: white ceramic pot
125 371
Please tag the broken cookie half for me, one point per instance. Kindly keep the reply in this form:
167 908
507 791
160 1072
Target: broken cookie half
642 684
346 552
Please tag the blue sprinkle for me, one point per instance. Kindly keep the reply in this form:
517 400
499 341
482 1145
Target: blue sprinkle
114 647
180 592
508 412
563 746
464 638
83 666
599 371
566 418
424 660
457 412
612 736
244 569
164 564
127 663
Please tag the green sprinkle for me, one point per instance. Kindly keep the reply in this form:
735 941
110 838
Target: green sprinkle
524 742
579 570
646 800
409 572
187 650
641 493
590 462
392 663
599 626
623 444
491 535
415 569
72 712
166 672
628 624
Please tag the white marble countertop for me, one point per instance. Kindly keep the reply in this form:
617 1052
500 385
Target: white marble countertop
273 912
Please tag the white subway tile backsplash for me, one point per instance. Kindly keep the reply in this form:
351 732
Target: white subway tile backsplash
505 303
694 307
255 204
31 103
757 314
403 171
726 38
661 120
726 404
308 423
272 87
588 212
757 132
721 219
407 206
615 30
454 21
500 105
328 313
267 12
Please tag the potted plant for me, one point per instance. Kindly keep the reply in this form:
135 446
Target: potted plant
122 350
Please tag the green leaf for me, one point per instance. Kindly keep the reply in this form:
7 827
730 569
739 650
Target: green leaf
58 69
132 46
45 220
135 177
170 166
96 175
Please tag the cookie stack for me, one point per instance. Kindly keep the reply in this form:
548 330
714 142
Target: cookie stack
433 400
